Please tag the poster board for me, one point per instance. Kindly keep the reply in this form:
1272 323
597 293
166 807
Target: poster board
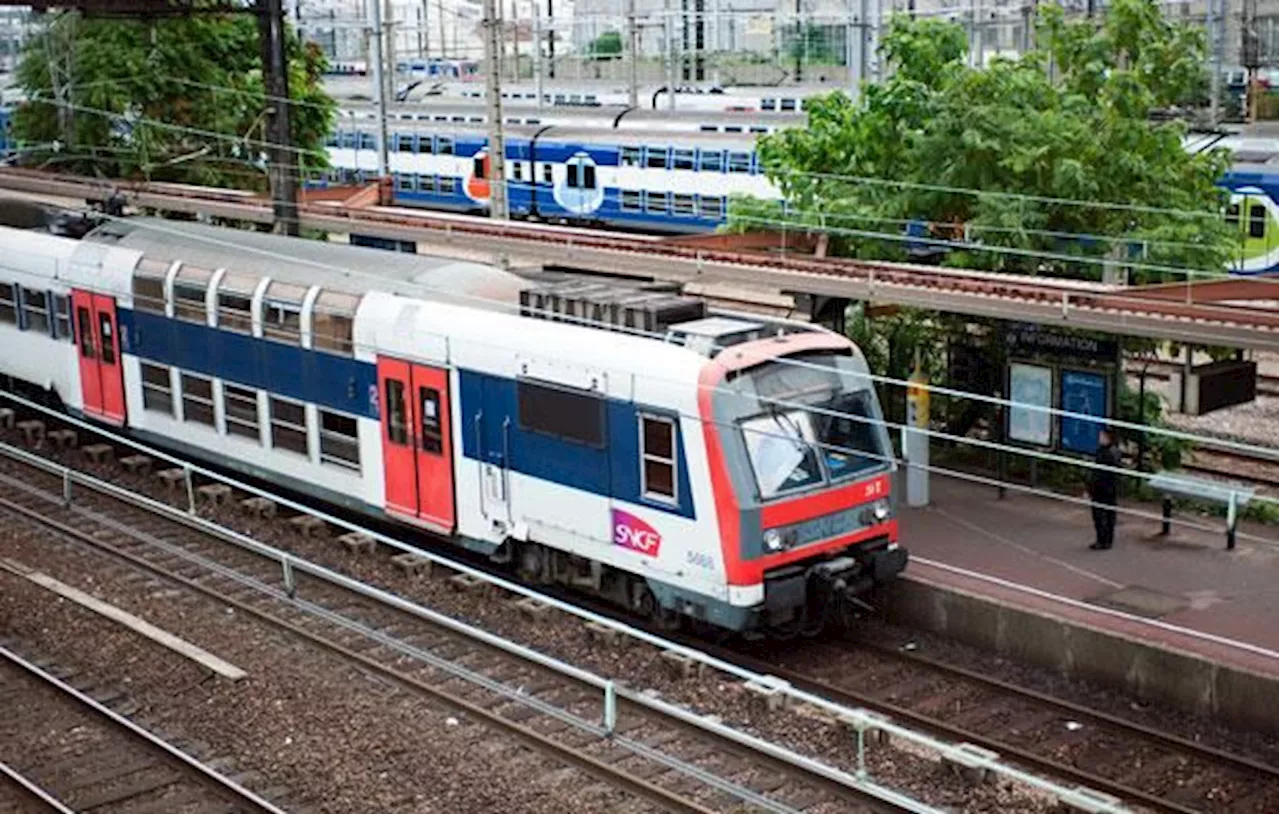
1082 392
1031 385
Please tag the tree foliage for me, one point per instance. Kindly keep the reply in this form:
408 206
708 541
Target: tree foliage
168 99
1068 121
607 46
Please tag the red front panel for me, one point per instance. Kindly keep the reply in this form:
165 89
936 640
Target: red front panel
87 340
395 390
434 450
110 369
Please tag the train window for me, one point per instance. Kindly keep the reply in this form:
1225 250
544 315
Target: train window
35 307
655 201
656 157
459 118
404 182
331 140
477 167
425 146
84 324
404 143
559 99
548 174
739 162
368 142
432 438
658 457
444 145
106 332
630 200
708 128
560 412
571 176
8 304
332 320
757 128
397 418
240 408
1257 220
235 302
682 159
447 186
711 161
711 206
517 171
788 105
588 176
61 316
732 128
157 388
288 425
1233 215
768 104
682 204
148 285
189 289
197 399
339 440
349 140
426 183
629 156
282 312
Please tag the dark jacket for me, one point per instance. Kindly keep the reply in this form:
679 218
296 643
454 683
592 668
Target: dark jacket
1103 485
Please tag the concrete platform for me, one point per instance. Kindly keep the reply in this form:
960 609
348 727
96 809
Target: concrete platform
1178 618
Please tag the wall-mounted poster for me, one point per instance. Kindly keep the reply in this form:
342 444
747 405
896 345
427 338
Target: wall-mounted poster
1082 392
1031 385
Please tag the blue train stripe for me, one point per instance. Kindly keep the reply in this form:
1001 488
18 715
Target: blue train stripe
345 385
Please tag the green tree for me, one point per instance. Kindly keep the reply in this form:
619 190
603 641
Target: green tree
1068 120
607 46
170 99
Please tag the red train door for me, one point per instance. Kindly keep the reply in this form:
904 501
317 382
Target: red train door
101 379
417 451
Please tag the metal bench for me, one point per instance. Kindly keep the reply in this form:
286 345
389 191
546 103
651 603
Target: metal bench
1232 495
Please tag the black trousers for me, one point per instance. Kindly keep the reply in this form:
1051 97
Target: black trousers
1104 525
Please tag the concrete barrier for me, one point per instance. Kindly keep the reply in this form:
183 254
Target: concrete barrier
1190 682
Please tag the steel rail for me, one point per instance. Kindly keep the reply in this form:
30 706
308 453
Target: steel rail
833 781
210 774
33 790
1007 751
990 294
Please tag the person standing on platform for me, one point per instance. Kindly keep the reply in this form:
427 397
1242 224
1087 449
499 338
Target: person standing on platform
1103 489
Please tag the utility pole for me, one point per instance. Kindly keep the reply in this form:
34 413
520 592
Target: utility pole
275 76
633 54
670 44
493 78
1250 57
424 33
799 47
444 48
379 84
1217 38
537 51
551 40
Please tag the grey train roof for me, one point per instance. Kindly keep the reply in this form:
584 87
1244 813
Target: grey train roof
314 262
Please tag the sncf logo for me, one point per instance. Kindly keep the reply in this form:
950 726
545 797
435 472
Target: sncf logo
631 532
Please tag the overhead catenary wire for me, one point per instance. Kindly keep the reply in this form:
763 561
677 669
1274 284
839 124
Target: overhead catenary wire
958 439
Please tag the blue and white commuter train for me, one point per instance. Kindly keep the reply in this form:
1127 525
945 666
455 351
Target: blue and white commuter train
729 471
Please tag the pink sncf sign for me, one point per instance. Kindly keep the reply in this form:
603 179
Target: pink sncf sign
631 532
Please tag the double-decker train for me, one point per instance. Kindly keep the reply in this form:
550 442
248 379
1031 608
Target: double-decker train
680 463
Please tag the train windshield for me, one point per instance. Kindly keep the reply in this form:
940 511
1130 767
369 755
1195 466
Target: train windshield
809 420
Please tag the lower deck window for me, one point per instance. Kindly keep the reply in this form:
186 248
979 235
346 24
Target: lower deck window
62 316
197 399
339 440
682 204
240 406
35 304
630 200
157 388
288 425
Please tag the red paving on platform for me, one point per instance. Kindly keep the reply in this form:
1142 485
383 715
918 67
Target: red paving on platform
1184 591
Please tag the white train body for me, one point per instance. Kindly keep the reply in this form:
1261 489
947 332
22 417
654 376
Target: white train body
671 477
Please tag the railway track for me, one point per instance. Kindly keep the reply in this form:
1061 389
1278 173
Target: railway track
67 745
668 757
1138 764
1225 463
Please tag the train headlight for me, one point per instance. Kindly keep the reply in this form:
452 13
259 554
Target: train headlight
773 540
880 509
